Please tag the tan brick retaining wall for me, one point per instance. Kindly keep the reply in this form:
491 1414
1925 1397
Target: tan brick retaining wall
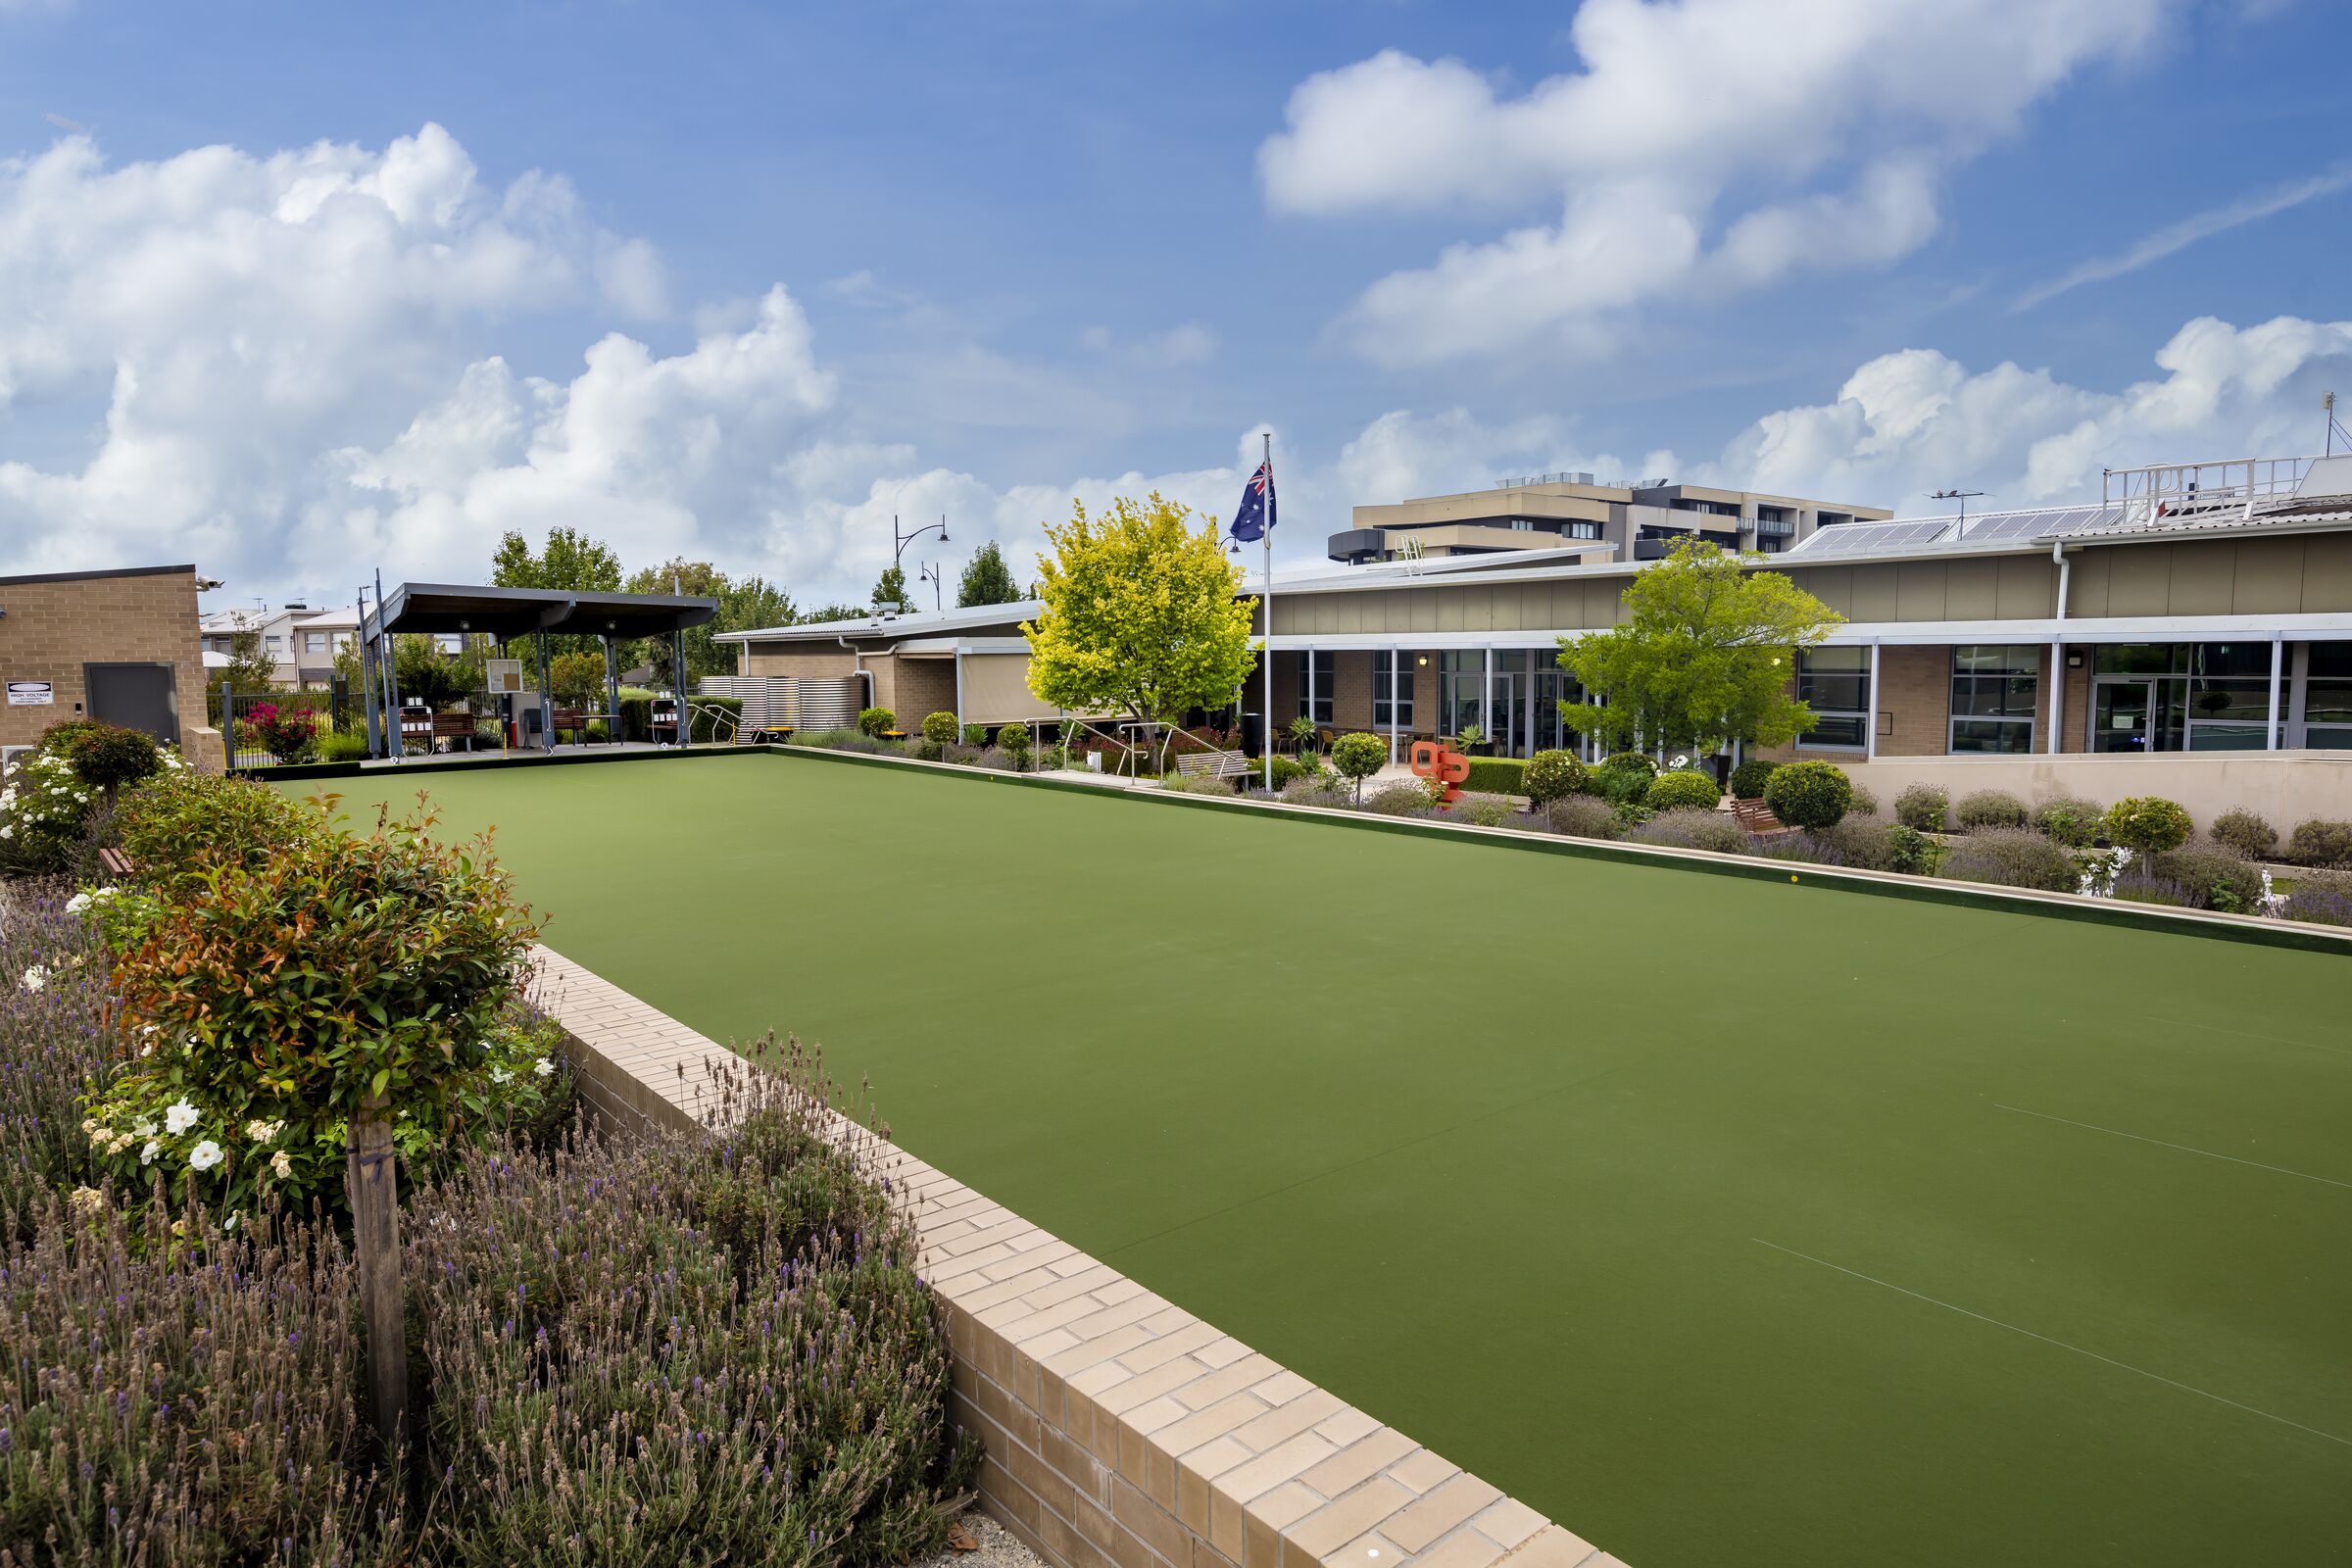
1120 1429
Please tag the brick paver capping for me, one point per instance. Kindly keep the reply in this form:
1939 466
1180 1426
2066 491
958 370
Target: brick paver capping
1120 1429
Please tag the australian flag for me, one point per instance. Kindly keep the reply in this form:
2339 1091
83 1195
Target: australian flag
1256 517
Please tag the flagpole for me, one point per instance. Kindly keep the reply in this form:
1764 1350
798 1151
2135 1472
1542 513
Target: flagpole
1268 536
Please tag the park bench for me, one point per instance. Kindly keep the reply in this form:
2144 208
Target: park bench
1212 765
116 863
1757 818
453 727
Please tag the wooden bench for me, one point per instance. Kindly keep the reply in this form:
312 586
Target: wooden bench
1757 818
453 727
116 865
1212 765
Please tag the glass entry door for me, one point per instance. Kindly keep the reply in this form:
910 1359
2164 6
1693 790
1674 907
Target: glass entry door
2122 714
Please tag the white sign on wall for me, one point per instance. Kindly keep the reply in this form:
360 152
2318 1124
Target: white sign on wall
30 694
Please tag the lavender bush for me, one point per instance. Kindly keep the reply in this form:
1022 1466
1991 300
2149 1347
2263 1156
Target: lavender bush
53 1050
2321 897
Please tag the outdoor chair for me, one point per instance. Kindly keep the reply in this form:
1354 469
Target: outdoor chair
1757 818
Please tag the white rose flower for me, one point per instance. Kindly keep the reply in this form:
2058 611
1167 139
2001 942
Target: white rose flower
142 1128
543 1067
500 1075
147 1155
205 1156
37 977
282 1163
78 903
180 1117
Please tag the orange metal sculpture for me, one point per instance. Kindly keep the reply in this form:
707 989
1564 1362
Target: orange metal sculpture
1449 769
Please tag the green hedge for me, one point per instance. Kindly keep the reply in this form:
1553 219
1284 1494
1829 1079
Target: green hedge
637 717
1496 775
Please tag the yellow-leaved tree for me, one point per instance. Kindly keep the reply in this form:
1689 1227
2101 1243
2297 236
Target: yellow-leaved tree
1140 615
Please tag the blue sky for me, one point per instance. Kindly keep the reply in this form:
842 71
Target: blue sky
1026 251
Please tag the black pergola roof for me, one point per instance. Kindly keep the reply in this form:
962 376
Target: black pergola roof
505 612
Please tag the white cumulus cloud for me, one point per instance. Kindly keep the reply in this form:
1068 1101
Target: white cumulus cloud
1705 146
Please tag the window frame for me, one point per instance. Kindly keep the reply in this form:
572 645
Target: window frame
1863 718
2006 680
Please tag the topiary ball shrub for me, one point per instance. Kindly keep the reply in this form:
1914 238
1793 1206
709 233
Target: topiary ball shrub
1357 756
1923 808
1554 775
2148 823
1686 828
2013 858
1013 737
110 756
940 728
1749 778
2217 879
1398 800
875 720
2321 897
1581 816
1809 795
2073 822
1682 792
1630 762
2319 842
1983 809
2244 831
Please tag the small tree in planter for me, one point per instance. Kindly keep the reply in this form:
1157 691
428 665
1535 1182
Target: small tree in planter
940 728
1554 775
317 992
1810 794
1013 738
2147 823
875 720
1357 757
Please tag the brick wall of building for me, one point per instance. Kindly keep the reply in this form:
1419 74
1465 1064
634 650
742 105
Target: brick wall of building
1915 701
922 686
55 624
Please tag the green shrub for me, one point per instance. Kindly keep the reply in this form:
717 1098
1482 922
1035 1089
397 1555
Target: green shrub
1983 809
1867 846
2217 879
1681 792
926 751
2136 886
1202 784
2245 832
1620 786
1286 768
2015 858
1749 778
875 720
1014 738
1909 850
339 746
1554 775
940 728
1809 794
2072 822
1864 803
1496 775
2148 823
1358 757
2319 842
110 756
1630 762
1398 800
1581 816
179 829
1693 828
1923 808
975 735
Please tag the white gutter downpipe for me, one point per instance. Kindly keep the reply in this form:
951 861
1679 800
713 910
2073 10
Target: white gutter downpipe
2058 652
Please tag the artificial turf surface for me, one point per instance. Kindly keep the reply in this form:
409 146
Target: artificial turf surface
1725 1222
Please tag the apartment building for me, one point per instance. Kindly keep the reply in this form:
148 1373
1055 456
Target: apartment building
1622 521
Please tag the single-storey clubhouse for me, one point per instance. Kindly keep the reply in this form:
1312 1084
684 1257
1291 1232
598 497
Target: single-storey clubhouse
2192 609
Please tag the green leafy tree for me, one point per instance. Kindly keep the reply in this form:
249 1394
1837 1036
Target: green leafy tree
1358 757
1705 655
890 589
1140 615
578 679
746 606
570 559
425 674
826 613
249 668
987 580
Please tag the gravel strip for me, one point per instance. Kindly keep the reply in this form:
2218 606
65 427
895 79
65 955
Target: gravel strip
999 1548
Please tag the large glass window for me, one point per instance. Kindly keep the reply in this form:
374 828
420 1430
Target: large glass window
1994 687
1318 672
1834 682
1392 691
2327 698
2173 697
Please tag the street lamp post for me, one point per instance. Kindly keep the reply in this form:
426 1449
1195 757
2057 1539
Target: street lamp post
900 541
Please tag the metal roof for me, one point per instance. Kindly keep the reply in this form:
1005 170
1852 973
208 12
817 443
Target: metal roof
503 613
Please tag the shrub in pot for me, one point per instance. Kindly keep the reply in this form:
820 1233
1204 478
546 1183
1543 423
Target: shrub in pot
1809 795
2147 823
1749 778
2016 857
1682 792
875 720
2072 822
1554 775
1983 809
2244 831
1923 808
